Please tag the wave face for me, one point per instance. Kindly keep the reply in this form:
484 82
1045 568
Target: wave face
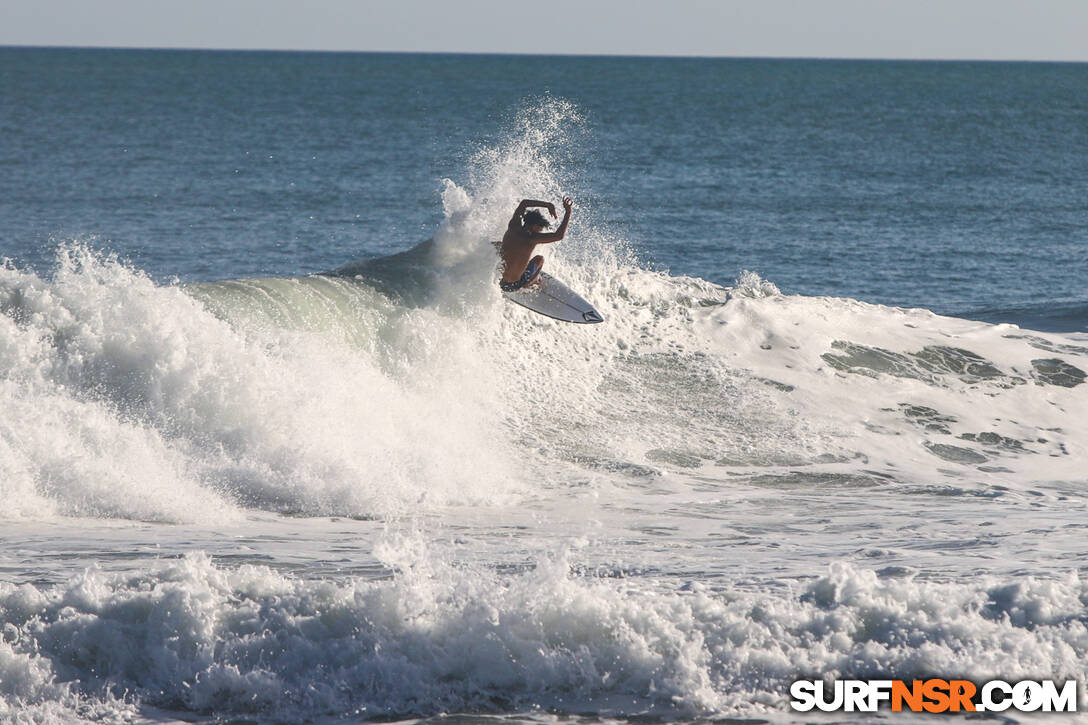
1062 316
677 512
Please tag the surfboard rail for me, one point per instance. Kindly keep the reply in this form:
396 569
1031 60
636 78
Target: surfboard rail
551 298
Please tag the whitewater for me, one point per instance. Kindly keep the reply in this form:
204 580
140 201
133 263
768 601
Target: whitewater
384 492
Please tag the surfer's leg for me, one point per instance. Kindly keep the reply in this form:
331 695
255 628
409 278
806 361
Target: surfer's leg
533 270
528 277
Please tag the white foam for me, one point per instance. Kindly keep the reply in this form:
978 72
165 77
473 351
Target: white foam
319 395
188 635
132 400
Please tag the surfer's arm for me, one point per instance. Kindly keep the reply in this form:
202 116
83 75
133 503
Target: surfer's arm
558 233
527 204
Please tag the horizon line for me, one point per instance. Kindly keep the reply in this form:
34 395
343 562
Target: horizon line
587 54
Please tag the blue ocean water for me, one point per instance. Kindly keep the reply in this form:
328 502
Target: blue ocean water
832 425
958 187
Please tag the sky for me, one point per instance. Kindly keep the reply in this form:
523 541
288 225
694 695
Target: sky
937 29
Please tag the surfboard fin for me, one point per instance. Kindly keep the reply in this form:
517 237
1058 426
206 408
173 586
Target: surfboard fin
592 316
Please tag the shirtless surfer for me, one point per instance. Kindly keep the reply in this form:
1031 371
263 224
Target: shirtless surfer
523 233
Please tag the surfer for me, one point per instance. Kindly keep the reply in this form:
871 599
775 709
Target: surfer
525 231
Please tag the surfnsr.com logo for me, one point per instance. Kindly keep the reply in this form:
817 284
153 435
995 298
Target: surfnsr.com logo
934 695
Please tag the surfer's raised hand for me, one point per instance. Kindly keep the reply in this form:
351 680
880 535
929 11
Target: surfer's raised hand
567 204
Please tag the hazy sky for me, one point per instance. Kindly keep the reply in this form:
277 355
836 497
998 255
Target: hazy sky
978 29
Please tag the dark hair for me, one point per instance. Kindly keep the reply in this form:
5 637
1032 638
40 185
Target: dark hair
534 218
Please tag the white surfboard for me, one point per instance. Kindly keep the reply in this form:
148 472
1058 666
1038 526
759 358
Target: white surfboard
552 298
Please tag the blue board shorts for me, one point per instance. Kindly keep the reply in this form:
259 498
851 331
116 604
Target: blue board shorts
526 278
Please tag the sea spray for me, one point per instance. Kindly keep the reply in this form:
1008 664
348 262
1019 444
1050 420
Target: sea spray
539 156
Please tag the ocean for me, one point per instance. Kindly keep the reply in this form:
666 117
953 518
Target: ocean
273 448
